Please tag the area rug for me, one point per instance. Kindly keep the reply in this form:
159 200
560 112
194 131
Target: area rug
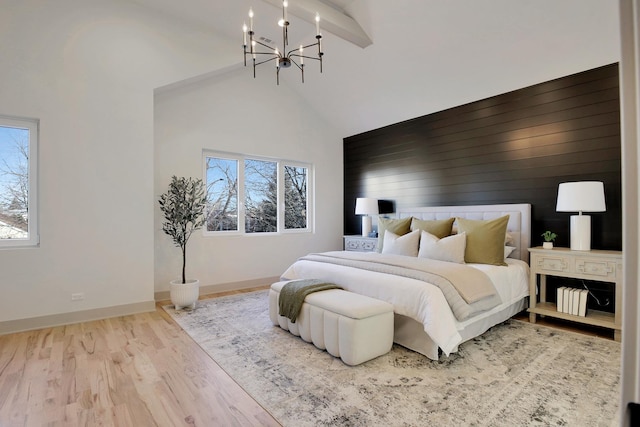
516 374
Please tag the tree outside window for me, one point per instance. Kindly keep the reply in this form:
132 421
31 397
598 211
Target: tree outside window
260 196
18 139
259 184
222 194
295 197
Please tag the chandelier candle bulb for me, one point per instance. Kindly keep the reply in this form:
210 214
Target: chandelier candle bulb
244 34
251 19
317 24
284 8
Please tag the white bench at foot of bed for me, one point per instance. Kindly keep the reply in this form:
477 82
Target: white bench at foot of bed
353 327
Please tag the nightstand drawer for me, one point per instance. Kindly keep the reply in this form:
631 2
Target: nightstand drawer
351 245
598 268
552 263
360 243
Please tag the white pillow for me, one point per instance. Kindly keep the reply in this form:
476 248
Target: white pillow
508 250
401 245
450 248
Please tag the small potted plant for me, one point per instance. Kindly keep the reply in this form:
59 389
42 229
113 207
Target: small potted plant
549 237
183 207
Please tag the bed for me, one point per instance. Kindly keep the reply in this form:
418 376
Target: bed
424 320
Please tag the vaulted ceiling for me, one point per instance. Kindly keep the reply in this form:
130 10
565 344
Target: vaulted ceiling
425 55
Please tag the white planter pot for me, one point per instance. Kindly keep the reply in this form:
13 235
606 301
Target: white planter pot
184 294
547 245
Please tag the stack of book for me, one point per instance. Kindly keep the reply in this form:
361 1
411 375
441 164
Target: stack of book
572 301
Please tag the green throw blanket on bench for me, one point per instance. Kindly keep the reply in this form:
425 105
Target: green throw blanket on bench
292 295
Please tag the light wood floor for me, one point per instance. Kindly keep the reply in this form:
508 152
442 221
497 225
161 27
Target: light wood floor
139 370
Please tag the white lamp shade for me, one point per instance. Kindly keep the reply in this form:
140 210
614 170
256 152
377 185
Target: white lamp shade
366 206
584 196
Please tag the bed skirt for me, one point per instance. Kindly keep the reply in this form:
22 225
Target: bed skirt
410 333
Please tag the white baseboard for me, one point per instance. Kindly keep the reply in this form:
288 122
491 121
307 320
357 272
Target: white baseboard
21 325
49 321
223 287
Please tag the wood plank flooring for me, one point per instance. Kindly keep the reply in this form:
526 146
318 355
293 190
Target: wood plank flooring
139 370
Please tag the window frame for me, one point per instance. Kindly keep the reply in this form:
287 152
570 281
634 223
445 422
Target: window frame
33 126
280 164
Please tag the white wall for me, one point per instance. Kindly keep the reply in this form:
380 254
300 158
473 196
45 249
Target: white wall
87 70
430 55
235 113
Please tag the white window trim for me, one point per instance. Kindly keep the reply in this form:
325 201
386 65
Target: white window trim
33 126
281 163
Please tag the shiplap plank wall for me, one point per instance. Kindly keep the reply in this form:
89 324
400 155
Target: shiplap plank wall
512 148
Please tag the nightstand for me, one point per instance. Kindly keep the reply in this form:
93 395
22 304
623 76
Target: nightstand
603 266
360 243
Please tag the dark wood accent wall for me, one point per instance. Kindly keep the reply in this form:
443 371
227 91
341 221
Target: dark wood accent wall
511 148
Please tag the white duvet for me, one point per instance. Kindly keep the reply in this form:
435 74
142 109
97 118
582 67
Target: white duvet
416 299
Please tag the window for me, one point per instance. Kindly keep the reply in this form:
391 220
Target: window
295 197
18 166
255 195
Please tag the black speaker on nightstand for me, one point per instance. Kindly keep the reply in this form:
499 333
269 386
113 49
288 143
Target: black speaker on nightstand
634 414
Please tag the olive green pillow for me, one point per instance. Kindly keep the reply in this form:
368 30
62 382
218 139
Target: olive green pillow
396 226
440 228
485 240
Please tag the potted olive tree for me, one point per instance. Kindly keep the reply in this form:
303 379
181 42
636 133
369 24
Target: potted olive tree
183 207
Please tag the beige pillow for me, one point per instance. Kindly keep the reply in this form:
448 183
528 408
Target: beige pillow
438 227
401 245
485 240
450 248
508 237
396 226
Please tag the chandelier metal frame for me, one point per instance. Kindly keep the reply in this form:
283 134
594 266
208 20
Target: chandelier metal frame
282 60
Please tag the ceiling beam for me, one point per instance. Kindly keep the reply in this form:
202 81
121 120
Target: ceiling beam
331 20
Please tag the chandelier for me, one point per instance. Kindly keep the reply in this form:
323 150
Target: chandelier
282 58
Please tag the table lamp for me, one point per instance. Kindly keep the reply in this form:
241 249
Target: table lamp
584 196
366 206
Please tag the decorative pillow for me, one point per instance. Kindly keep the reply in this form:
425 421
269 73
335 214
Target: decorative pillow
437 227
399 227
508 237
508 250
401 245
485 240
450 248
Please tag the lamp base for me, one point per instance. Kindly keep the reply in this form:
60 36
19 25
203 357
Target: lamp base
366 225
580 233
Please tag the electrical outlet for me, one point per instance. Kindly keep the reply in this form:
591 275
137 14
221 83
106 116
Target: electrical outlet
77 297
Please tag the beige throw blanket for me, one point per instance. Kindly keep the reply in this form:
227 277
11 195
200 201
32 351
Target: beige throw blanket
292 295
467 290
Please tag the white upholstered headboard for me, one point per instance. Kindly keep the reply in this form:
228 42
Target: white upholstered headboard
519 220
